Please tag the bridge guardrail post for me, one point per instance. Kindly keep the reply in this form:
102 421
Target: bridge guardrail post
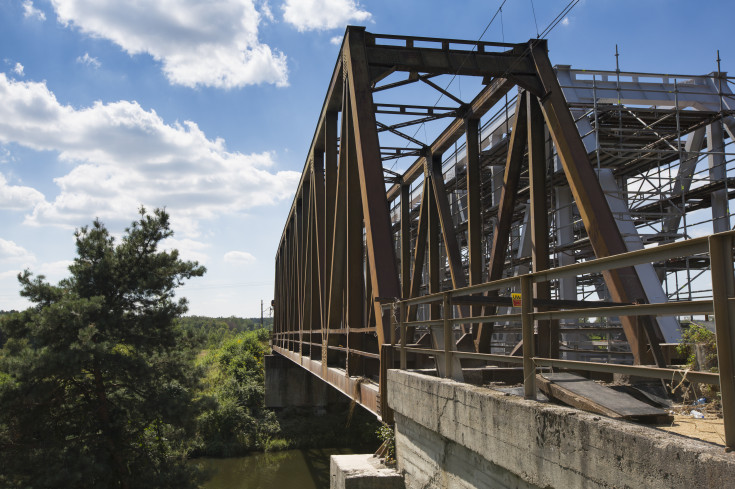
529 368
723 303
402 329
393 325
386 356
447 313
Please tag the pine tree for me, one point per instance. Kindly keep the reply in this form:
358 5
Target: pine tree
94 392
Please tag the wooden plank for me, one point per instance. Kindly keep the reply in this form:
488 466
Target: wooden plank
588 395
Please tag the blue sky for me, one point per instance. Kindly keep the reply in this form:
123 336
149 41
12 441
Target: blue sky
208 108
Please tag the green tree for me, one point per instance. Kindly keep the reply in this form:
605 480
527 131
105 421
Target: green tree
96 393
236 420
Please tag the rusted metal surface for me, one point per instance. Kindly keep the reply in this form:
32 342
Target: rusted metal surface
360 233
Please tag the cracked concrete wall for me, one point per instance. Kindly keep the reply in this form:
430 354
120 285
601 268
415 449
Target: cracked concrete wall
450 434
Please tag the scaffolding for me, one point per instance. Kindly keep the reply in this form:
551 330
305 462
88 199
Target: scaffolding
658 144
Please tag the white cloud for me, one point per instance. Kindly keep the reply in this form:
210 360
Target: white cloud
89 60
9 251
239 257
336 40
5 155
14 197
125 156
310 15
198 43
189 249
18 69
29 11
565 21
265 10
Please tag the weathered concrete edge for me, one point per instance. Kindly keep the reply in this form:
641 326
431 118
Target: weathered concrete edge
549 445
361 471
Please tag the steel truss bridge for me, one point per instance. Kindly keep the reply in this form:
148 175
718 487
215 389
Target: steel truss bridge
544 167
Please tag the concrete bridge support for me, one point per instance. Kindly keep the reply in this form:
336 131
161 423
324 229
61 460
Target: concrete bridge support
456 435
289 385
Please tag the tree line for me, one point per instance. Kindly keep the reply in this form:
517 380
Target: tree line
102 386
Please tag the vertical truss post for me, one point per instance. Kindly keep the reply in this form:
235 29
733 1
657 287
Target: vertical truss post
448 337
331 156
354 263
548 331
529 368
320 251
405 240
474 215
723 300
420 249
309 255
433 242
501 232
402 327
300 244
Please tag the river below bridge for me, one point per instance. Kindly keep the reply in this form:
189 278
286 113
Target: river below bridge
302 469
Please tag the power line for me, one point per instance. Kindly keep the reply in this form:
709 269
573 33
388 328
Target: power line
423 124
549 28
533 9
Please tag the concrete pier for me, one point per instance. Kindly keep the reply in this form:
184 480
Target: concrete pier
362 472
289 385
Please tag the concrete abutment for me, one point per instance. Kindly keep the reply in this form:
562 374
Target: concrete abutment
454 435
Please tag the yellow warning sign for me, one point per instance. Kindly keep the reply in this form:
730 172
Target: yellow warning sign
516 297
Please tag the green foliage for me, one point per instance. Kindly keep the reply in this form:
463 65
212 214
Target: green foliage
694 338
698 335
388 436
212 332
96 392
236 420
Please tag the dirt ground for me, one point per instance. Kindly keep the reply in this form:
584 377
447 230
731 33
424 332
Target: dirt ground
710 429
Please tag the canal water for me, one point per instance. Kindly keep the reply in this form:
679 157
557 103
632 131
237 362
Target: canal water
301 469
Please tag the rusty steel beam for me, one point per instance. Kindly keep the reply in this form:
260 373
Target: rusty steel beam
339 232
448 61
420 248
405 241
474 215
368 392
355 290
448 231
548 331
489 96
501 232
604 235
318 186
379 235
432 245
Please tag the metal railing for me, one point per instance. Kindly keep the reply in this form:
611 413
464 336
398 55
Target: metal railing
719 247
